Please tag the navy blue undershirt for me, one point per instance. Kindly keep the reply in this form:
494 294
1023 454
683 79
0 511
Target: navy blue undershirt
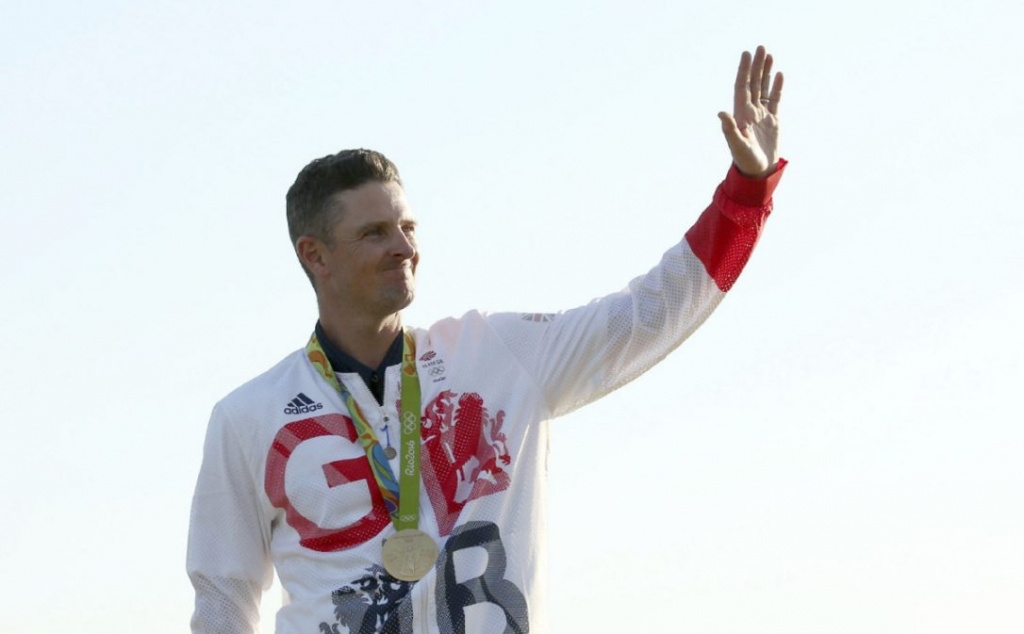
342 362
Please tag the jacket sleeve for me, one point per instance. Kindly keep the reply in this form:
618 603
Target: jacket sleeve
228 557
581 354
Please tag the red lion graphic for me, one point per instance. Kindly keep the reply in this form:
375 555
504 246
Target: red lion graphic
466 452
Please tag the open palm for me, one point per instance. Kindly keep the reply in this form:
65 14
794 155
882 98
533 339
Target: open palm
752 130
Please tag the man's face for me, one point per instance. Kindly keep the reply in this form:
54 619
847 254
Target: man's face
371 268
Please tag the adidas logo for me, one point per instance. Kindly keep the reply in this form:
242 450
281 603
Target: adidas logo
302 404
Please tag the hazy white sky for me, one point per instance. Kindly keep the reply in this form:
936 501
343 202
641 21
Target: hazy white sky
837 450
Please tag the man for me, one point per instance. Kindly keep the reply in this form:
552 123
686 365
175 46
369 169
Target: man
394 475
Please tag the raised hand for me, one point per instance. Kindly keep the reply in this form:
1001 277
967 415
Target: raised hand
752 130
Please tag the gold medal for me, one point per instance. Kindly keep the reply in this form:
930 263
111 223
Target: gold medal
409 554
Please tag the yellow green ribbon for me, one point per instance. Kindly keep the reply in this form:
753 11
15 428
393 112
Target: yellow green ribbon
402 497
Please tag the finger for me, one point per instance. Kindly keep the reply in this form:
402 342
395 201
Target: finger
766 78
728 123
756 70
741 94
731 130
776 94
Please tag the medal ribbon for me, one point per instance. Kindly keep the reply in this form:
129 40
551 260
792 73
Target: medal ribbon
401 497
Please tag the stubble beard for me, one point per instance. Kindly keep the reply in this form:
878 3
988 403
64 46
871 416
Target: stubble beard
394 299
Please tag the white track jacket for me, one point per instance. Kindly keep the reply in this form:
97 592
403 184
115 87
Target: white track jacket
285 482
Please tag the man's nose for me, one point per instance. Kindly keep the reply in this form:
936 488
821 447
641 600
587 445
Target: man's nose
404 246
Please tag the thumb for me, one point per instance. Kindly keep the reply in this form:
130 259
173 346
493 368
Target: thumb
733 136
729 127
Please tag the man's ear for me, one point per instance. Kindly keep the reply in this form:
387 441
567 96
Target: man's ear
311 253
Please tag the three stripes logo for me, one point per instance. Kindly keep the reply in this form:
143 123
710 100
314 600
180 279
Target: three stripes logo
302 404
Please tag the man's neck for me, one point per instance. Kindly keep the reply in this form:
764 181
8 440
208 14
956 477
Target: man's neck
367 341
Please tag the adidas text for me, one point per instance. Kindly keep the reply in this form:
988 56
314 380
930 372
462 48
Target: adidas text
304 409
302 404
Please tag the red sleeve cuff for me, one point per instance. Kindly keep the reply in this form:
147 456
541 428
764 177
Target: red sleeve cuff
752 192
725 234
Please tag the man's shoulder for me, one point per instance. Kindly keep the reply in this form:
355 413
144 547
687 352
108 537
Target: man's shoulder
450 331
262 390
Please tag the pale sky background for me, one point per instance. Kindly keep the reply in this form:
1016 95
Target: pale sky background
837 450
